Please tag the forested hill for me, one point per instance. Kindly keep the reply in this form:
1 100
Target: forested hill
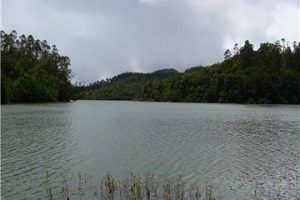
125 86
270 74
32 71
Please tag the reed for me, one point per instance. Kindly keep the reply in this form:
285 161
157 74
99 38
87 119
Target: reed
134 187
48 186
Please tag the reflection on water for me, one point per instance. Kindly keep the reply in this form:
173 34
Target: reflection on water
235 147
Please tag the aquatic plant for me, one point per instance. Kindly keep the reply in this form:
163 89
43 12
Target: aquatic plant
135 187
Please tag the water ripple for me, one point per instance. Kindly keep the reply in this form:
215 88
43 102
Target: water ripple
234 147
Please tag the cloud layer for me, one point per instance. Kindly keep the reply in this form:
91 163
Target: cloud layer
107 37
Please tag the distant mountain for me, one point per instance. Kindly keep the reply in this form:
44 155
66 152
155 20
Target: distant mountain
166 72
193 69
125 86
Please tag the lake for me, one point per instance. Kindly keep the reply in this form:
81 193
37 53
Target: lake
236 148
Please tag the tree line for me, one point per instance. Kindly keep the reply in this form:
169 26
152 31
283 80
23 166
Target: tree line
270 74
32 70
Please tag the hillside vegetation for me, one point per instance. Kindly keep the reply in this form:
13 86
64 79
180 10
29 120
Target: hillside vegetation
126 86
32 71
270 74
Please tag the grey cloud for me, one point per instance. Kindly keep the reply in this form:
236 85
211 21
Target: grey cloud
104 38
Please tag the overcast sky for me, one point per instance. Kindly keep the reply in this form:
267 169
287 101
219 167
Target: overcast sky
107 37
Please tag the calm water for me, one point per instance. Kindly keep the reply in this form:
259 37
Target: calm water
234 147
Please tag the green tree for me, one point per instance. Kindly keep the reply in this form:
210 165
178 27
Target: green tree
246 54
32 71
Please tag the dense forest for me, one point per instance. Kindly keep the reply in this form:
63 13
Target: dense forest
270 74
126 86
32 71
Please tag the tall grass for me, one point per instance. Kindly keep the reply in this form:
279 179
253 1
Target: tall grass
133 188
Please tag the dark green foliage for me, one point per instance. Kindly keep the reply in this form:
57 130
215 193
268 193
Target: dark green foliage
192 69
32 71
246 55
126 86
270 74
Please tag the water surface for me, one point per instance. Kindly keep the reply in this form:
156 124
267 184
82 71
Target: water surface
234 147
